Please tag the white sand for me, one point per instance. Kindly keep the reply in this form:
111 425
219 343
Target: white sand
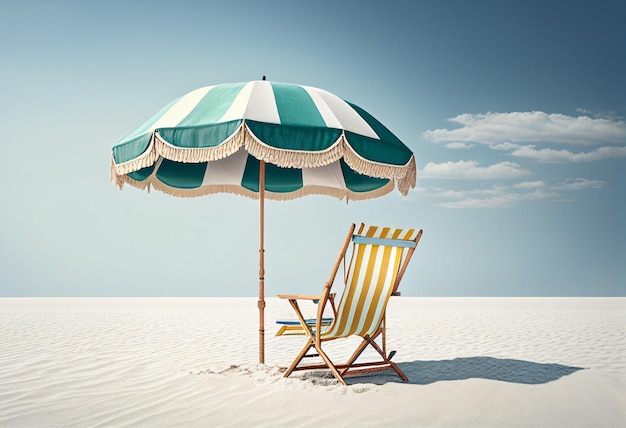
193 362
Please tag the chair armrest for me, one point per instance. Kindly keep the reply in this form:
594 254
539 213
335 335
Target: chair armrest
297 297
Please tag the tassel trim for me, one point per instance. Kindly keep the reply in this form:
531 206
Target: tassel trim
405 175
292 158
198 155
144 160
382 191
153 182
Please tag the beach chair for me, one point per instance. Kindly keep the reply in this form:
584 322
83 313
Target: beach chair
378 260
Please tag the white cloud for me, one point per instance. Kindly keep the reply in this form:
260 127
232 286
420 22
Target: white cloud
530 184
495 202
470 170
459 145
498 197
531 127
560 156
526 135
580 184
505 146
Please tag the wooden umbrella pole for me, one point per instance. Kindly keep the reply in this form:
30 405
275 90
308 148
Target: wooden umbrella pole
261 302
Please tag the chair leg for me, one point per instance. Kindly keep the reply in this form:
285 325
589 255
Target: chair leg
331 366
327 362
388 361
310 343
385 363
359 350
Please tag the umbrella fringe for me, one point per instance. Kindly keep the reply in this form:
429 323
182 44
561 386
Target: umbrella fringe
181 193
203 191
406 175
307 191
146 159
409 180
356 196
204 154
116 179
292 158
238 190
141 185
160 147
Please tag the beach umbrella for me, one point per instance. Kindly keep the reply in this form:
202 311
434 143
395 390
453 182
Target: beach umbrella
263 139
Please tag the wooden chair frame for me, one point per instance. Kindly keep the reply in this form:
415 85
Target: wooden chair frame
314 341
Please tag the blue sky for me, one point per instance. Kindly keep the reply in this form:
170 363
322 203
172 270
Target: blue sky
514 110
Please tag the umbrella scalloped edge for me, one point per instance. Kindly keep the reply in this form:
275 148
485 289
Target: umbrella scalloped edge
292 158
152 182
205 154
405 175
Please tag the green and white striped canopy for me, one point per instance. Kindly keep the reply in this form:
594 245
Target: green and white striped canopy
211 140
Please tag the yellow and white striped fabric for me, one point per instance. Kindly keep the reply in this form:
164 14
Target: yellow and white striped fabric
370 280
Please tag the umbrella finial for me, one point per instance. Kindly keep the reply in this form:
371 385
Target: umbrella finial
263 77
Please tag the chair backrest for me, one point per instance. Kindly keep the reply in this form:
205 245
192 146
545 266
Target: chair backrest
376 267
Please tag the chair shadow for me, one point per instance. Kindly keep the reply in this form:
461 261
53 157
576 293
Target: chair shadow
504 370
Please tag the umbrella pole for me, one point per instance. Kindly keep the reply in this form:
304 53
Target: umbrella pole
261 302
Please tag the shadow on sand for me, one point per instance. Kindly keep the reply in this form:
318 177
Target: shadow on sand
505 370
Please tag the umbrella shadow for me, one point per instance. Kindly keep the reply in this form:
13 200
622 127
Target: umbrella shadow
504 370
